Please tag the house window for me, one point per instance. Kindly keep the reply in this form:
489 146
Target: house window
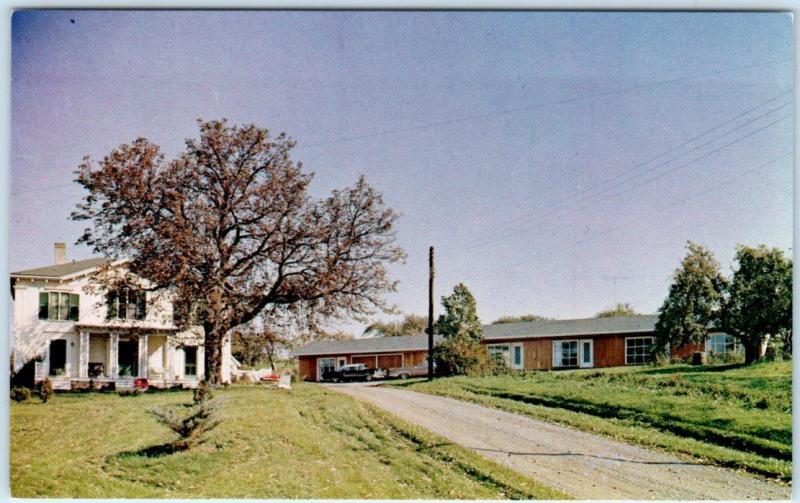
722 344
59 306
517 360
637 350
126 304
565 353
58 357
190 361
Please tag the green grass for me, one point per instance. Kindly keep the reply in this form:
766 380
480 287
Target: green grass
305 443
735 416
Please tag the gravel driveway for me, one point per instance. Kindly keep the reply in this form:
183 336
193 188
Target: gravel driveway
581 464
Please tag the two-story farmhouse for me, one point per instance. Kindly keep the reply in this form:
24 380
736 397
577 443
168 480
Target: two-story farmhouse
76 334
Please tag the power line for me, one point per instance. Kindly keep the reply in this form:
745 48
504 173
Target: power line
677 202
496 113
541 105
554 216
642 164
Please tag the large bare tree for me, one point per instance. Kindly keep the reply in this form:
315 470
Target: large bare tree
228 227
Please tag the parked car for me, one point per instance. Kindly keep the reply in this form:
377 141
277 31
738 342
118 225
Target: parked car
352 372
411 371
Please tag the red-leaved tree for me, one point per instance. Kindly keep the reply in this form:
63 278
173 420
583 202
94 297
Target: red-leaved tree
228 228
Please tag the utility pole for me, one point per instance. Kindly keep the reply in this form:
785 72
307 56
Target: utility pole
430 313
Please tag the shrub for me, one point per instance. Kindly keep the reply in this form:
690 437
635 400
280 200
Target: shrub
130 392
20 394
461 355
202 393
191 423
46 390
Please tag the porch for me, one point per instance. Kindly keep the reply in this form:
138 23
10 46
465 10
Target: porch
97 359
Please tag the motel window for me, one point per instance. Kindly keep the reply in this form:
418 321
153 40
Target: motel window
190 361
126 304
500 352
637 350
565 353
59 306
326 365
510 354
722 344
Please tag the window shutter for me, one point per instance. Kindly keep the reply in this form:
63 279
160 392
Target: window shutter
111 304
43 303
556 353
74 307
141 305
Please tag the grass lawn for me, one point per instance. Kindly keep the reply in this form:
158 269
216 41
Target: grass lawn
304 443
735 416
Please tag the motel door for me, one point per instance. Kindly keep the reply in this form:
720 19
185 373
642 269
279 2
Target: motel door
587 353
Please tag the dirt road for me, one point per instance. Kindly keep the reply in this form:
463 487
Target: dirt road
581 464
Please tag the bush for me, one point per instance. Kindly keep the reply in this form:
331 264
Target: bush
130 392
191 423
460 355
202 393
20 394
46 390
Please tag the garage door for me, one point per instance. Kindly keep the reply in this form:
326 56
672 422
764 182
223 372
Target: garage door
390 361
369 361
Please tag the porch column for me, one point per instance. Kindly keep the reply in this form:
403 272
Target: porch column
169 349
113 357
201 362
143 358
83 355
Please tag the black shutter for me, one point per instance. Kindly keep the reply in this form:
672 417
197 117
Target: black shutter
111 304
44 301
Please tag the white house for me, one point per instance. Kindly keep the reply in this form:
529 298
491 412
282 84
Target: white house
81 333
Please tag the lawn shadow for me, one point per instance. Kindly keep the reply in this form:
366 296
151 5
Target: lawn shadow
154 451
697 369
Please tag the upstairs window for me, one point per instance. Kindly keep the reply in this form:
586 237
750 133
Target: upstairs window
126 304
59 306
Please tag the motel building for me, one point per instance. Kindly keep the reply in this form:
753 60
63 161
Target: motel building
533 345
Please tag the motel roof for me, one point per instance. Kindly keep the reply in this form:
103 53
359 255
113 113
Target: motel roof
498 332
366 345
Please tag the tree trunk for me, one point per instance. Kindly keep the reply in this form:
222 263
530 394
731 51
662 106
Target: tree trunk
213 351
752 350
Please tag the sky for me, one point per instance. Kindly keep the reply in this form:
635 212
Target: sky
557 161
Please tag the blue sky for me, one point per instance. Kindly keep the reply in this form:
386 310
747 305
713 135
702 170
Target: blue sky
523 145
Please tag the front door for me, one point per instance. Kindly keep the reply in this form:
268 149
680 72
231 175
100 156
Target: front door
128 358
587 353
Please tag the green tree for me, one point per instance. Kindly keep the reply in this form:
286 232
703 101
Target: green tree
694 300
460 316
758 303
411 324
517 319
618 310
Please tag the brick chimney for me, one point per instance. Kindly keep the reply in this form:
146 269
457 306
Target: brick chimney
61 253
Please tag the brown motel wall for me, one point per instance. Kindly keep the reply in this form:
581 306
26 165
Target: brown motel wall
609 351
308 364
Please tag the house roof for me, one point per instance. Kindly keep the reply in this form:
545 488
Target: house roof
60 270
504 331
562 328
365 345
